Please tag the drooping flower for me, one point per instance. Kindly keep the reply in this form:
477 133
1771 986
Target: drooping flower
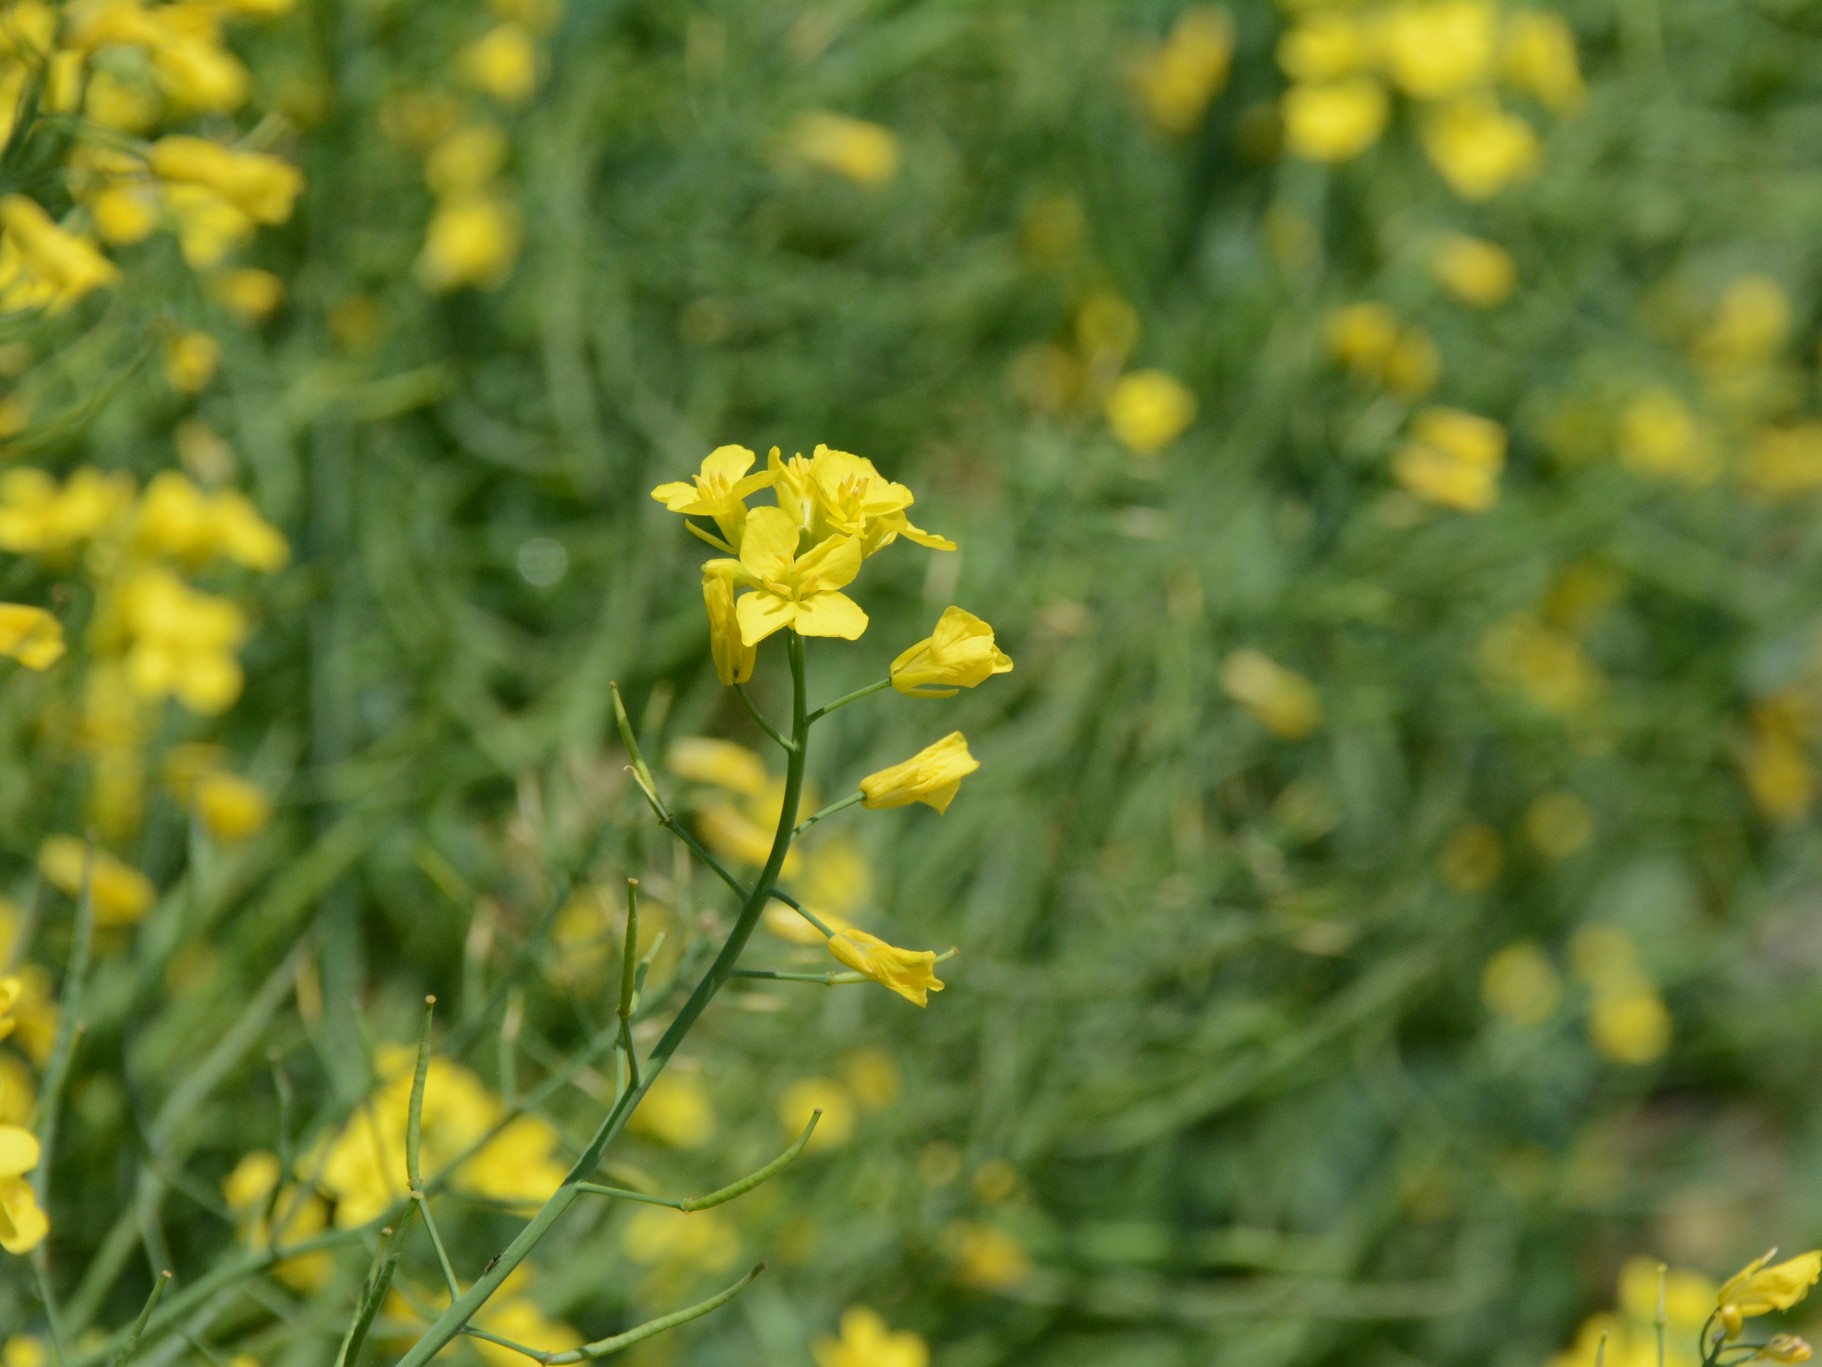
960 653
719 490
734 658
30 635
786 589
909 972
932 776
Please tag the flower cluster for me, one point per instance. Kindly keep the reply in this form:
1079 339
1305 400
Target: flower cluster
787 567
1449 56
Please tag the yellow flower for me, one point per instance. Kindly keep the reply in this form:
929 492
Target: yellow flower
176 642
1750 325
1178 78
263 188
1279 699
1438 48
987 1257
835 883
802 592
1630 1027
1785 461
43 266
35 638
190 361
702 759
1453 459
932 776
250 295
1361 336
804 1097
866 1342
472 240
865 153
1786 1348
909 972
120 894
959 654
678 1110
837 493
1548 666
1539 59
1476 272
503 63
733 657
1520 985
1478 147
519 1319
1324 47
719 490
1660 438
1334 120
230 808
1780 777
701 1241
1413 364
873 1076
179 520
1148 410
520 1165
22 1224
1762 1287
466 159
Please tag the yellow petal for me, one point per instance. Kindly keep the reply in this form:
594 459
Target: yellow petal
830 614
760 614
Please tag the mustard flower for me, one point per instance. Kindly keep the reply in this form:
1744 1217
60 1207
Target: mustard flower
22 1223
865 1341
802 592
1148 410
1478 147
1441 48
719 490
120 894
30 635
1325 47
909 972
932 776
1476 272
190 361
42 265
503 63
959 654
1334 120
849 497
1539 59
678 1110
1454 459
473 240
734 658
1177 79
39 517
1763 1286
1279 699
262 187
1787 1348
859 151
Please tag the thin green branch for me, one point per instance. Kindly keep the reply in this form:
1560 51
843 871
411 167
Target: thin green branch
385 1263
841 804
131 1346
41 1274
722 1195
603 1347
436 1242
414 1117
759 717
628 975
847 698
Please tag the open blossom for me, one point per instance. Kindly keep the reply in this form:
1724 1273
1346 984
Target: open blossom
22 1223
30 635
1763 1286
719 490
959 654
932 776
849 497
909 972
786 589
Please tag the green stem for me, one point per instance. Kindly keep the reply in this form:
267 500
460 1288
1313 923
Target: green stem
629 973
722 1195
834 807
759 717
449 1324
847 698
604 1347
392 1244
131 1346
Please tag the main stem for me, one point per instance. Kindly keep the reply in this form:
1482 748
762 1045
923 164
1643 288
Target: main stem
462 1309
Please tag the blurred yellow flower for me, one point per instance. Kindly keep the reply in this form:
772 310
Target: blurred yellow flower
1148 410
177 519
231 808
1476 272
262 187
1279 699
521 1320
1549 667
503 63
35 638
1559 824
1775 758
1471 859
42 265
960 653
1688 1296
1787 1348
720 763
466 159
175 641
1750 326
1453 459
1520 985
248 294
1479 148
473 240
1360 336
866 1341
1539 59
932 776
865 153
1630 1027
808 1095
835 882
1334 120
1763 1286
1660 439
1325 46
190 361
872 1076
678 1110
700 1241
22 1224
120 894
1438 48
909 972
1785 461
1412 365
1176 79
987 1257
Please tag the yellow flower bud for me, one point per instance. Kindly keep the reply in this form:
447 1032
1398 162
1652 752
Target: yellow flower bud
734 659
1786 1348
959 654
909 972
932 776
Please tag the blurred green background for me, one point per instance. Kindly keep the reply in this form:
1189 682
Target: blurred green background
1374 1013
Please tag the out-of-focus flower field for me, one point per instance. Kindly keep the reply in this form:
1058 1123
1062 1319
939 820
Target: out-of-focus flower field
1385 437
